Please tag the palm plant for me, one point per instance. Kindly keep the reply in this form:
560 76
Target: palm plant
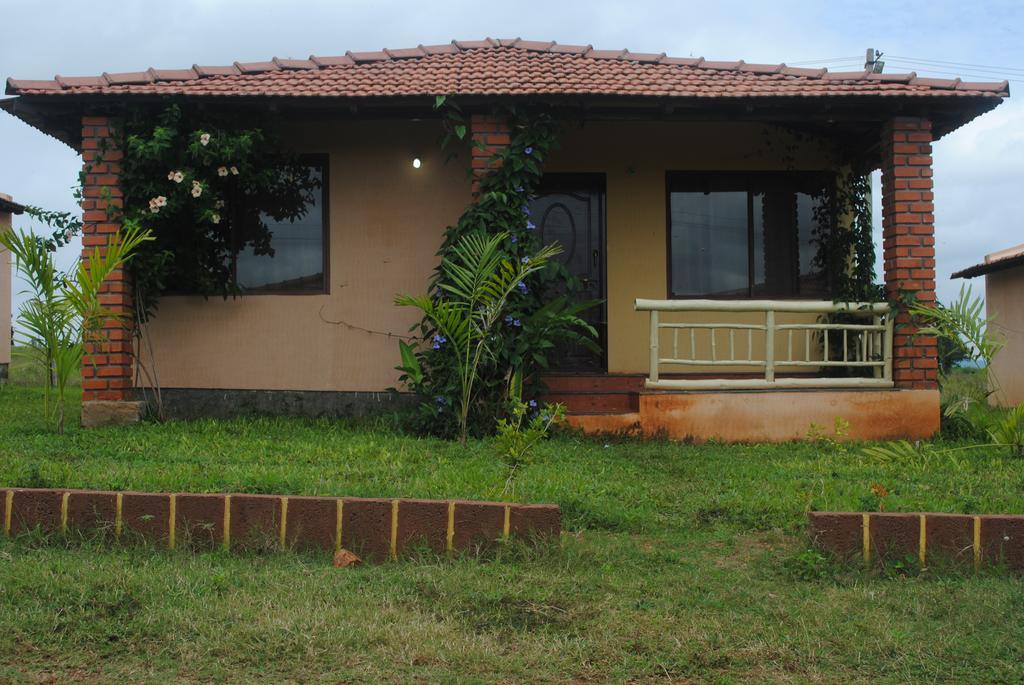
963 328
476 281
965 332
64 312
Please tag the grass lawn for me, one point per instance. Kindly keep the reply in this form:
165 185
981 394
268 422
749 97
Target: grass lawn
679 563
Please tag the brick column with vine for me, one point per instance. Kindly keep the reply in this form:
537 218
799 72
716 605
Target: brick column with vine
107 367
489 135
908 232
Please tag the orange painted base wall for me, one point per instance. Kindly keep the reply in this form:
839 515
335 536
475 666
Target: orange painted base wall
775 416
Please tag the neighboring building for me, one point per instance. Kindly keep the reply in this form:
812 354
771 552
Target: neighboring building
1004 302
7 209
684 186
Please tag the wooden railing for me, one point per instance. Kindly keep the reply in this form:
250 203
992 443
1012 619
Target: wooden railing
866 344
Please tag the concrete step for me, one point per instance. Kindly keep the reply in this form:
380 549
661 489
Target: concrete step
596 402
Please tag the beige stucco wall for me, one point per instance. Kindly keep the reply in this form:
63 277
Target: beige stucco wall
386 224
635 158
1004 300
5 294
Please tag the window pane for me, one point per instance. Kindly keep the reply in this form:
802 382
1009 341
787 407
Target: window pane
812 281
775 243
784 244
709 244
298 260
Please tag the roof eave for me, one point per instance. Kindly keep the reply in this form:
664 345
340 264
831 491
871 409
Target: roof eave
986 268
58 114
10 207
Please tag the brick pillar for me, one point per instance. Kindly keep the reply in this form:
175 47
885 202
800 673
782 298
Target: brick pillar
5 291
908 232
108 394
489 134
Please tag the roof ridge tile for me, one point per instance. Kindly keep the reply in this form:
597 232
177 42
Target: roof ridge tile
125 78
845 75
940 83
444 49
806 72
331 61
753 68
605 54
368 56
568 49
207 71
173 74
77 81
535 45
985 86
405 53
255 67
295 64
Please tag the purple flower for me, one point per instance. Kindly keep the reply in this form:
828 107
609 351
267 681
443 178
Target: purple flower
528 150
533 404
530 226
438 341
522 288
508 319
526 210
514 239
517 323
441 400
520 189
525 260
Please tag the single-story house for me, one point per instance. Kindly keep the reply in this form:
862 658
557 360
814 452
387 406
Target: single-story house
1004 303
683 189
7 208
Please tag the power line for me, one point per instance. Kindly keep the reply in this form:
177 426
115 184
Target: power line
855 58
972 67
926 69
925 65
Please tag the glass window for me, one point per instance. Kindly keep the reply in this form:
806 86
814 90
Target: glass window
709 239
298 263
743 235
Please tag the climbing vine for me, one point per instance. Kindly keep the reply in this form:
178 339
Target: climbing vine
843 233
845 252
542 313
205 184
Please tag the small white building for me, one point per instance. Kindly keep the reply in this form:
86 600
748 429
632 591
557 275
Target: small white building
1004 301
7 209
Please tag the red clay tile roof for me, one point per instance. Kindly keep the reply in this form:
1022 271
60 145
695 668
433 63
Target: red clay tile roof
998 261
504 68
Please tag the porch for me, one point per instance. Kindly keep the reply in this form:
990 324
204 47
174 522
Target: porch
785 370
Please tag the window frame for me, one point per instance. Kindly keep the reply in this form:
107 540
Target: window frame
322 159
741 181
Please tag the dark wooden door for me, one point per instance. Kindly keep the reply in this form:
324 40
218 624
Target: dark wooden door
569 209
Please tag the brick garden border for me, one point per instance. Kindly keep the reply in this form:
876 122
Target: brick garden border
959 538
376 529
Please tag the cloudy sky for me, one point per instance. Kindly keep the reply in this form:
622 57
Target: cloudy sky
979 169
